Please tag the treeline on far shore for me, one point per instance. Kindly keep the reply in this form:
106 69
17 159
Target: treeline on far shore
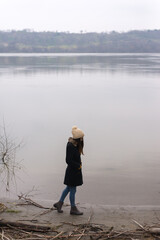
26 41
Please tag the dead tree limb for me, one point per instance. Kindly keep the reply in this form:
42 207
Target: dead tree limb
27 227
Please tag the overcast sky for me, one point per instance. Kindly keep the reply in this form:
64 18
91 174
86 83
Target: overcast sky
77 15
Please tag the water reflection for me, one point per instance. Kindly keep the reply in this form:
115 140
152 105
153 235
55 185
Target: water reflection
29 64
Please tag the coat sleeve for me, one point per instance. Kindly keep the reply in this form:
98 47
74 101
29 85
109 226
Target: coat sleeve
70 157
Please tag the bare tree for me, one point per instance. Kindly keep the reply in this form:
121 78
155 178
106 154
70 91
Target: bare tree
8 162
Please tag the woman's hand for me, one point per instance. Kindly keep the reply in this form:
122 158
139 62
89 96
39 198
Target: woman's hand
80 166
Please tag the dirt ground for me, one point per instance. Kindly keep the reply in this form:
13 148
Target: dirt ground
121 218
117 216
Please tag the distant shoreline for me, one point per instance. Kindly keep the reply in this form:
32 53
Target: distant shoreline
76 53
26 41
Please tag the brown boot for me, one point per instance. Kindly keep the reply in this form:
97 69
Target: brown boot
75 211
58 206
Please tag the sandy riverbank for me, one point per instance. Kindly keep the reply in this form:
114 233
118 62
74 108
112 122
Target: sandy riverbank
119 217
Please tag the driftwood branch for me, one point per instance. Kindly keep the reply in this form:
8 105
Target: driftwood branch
27 227
139 225
29 201
151 230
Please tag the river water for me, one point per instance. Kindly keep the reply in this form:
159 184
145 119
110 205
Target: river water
113 98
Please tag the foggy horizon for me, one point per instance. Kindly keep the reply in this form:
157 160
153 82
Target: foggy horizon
78 32
76 16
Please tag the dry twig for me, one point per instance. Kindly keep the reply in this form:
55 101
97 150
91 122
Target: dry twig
9 164
29 201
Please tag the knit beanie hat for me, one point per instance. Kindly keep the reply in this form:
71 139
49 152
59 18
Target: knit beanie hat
77 133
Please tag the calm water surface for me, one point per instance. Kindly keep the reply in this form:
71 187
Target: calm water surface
114 98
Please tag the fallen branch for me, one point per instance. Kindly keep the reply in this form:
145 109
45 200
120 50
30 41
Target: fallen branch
31 202
152 230
139 225
88 222
27 227
58 235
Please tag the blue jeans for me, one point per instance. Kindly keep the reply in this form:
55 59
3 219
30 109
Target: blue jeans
65 192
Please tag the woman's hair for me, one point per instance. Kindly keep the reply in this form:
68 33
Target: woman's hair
80 145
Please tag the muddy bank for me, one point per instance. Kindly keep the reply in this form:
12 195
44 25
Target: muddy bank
119 217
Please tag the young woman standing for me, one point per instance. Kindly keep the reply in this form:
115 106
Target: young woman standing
73 176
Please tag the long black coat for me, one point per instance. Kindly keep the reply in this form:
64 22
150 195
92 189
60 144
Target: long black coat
73 175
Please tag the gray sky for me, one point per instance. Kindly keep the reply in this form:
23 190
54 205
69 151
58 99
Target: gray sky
77 15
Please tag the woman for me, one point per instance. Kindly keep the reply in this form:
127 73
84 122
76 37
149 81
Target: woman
73 175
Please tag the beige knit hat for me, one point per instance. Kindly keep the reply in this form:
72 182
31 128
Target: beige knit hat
77 133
